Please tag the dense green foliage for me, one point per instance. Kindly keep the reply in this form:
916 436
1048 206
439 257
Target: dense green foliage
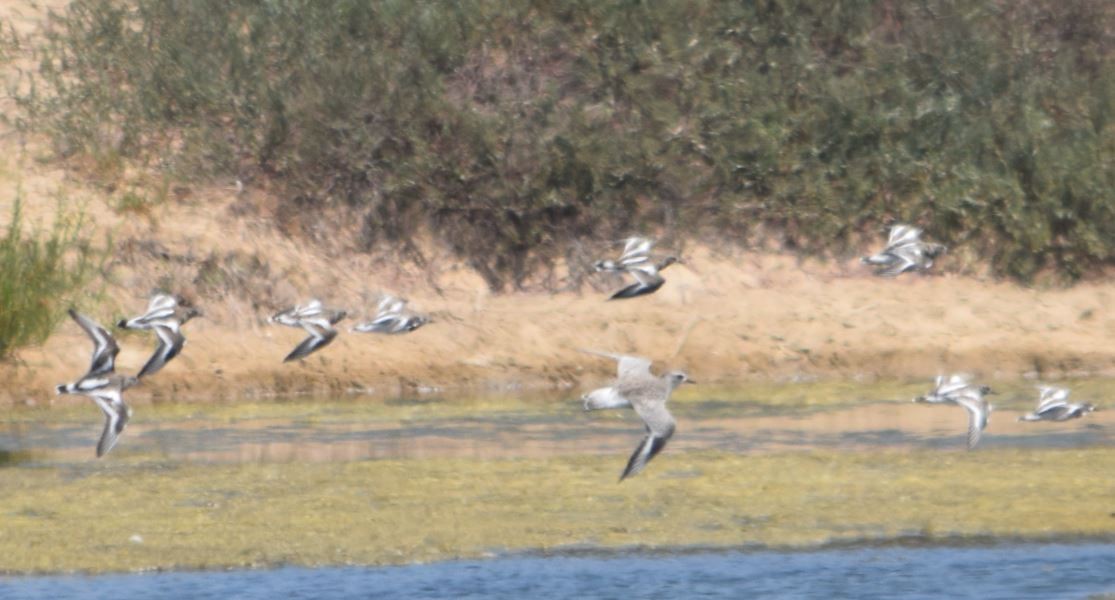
39 276
511 128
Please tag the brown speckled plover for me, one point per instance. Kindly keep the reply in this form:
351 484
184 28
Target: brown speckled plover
637 388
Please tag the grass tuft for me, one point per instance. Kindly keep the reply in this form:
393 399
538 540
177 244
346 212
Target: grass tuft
42 272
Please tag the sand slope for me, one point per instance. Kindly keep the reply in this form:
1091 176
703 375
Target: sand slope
725 315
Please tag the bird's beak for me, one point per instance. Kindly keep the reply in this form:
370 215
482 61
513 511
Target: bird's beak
689 381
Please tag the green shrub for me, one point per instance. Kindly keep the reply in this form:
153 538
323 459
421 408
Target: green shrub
512 128
40 275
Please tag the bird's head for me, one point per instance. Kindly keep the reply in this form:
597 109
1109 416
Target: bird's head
935 250
677 378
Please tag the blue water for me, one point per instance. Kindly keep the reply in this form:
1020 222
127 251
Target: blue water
1040 571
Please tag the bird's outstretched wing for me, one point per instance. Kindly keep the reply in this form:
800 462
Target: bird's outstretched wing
116 418
978 412
651 445
635 249
104 345
171 341
319 337
1051 397
660 426
903 234
905 259
626 365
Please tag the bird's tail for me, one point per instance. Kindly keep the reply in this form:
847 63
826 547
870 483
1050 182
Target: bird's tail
603 398
876 259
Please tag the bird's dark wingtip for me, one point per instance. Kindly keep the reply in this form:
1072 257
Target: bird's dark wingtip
626 472
295 355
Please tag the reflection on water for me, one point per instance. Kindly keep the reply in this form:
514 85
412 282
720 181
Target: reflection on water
1006 571
346 431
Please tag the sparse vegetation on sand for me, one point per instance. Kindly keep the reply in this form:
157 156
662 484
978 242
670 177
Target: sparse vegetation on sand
513 129
395 511
40 273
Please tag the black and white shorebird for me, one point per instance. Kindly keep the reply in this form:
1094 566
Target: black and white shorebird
959 390
1053 405
392 317
101 383
317 320
165 316
637 388
637 261
904 252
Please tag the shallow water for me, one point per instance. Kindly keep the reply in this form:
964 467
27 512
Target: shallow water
338 431
1045 571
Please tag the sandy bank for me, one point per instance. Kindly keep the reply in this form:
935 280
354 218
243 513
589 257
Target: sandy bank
734 319
724 316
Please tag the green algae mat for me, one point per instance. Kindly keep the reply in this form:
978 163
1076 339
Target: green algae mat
139 515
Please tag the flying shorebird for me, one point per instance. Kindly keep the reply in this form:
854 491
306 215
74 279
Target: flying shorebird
101 384
647 279
637 261
160 306
1053 405
637 388
904 252
392 317
316 320
165 317
958 390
